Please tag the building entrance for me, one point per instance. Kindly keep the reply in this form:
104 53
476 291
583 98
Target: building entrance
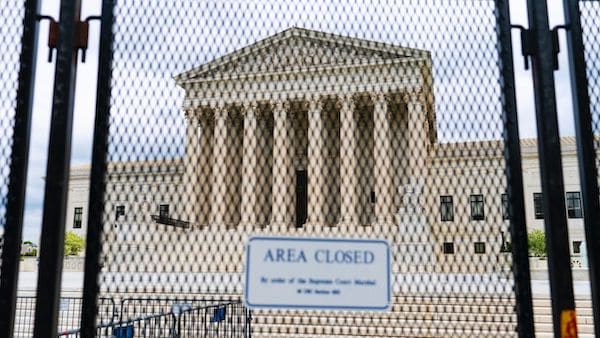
301 197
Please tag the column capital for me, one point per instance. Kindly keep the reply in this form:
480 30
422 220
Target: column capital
346 101
379 97
280 108
193 118
189 113
314 104
381 101
198 113
346 97
220 111
250 109
416 95
312 97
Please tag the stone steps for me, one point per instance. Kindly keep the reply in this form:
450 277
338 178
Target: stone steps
408 329
581 319
387 318
417 328
416 316
551 335
581 328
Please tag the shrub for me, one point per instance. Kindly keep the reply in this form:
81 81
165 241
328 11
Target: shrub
537 243
73 244
31 253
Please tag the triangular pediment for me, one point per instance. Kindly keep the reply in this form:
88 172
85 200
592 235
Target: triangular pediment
298 49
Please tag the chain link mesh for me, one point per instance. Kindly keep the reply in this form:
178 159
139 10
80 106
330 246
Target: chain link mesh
590 21
10 37
590 12
316 119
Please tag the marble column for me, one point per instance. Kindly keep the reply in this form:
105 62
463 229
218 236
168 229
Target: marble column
264 167
219 174
348 163
192 160
249 167
316 162
417 133
282 214
205 168
382 161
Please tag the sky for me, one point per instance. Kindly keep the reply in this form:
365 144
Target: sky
155 40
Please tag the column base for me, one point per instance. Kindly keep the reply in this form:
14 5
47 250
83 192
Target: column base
219 226
279 226
312 226
249 226
348 223
201 226
381 225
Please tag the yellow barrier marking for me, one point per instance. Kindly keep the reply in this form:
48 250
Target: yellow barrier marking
568 324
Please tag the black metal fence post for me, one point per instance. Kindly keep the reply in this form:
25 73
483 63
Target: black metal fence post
586 152
555 218
13 229
514 175
57 173
98 170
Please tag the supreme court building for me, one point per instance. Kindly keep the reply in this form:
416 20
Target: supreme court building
313 134
306 128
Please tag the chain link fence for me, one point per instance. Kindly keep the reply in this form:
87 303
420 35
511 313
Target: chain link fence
590 20
590 12
316 120
340 119
10 38
69 314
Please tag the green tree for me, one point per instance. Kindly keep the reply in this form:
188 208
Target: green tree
73 244
31 253
537 243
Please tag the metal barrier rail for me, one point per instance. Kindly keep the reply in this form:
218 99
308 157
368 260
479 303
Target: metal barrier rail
134 307
156 325
223 320
69 314
230 319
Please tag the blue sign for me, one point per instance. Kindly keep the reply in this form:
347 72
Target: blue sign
318 274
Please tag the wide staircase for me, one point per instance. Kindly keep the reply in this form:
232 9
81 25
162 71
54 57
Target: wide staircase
410 316
542 309
418 316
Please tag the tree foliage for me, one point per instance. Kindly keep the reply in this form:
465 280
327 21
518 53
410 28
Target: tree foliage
73 244
31 253
537 243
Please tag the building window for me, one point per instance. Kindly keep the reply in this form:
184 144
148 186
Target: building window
574 209
446 209
538 208
119 211
477 213
479 247
505 206
449 248
163 211
577 247
77 216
